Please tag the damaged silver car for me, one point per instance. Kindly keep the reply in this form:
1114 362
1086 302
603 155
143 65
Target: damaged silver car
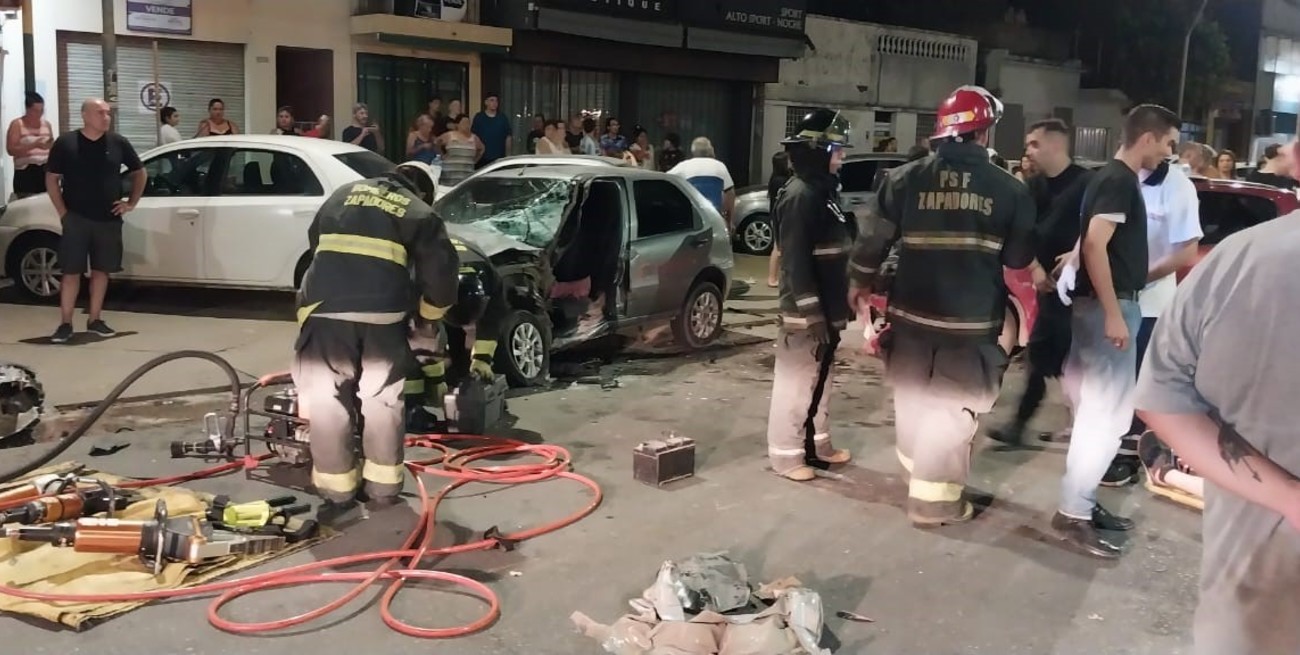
588 251
22 400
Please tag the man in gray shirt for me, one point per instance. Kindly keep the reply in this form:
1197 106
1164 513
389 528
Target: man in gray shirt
1219 387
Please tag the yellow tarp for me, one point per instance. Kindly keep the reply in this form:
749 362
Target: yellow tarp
45 568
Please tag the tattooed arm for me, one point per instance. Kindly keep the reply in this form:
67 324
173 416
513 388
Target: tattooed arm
1225 458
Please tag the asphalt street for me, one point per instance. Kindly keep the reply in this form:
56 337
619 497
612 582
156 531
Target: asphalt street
1002 584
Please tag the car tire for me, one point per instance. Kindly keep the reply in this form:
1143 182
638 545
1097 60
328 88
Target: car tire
524 350
755 235
33 264
699 323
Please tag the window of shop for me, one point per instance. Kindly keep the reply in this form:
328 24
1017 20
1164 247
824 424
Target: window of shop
397 89
687 107
554 93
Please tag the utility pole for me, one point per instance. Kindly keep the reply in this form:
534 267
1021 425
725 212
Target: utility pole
29 49
1187 46
110 58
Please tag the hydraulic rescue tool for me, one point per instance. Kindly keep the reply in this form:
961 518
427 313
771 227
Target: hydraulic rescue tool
62 505
185 539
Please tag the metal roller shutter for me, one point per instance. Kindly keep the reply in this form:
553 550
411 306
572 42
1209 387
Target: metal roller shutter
700 107
194 72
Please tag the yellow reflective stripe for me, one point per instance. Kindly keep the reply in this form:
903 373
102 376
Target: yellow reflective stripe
484 347
353 244
413 387
904 460
952 241
934 492
304 312
342 483
383 473
862 269
430 313
468 269
435 370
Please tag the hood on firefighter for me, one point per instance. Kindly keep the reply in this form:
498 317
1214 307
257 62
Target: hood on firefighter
423 179
22 399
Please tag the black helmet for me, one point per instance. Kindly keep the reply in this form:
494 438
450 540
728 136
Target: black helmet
471 299
822 127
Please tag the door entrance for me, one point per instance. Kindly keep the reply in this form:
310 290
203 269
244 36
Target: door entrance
304 81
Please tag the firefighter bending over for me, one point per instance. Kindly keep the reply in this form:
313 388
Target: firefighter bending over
815 240
960 219
480 308
370 240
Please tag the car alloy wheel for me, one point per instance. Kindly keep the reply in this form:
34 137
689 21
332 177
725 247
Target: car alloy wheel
39 272
704 314
757 235
527 349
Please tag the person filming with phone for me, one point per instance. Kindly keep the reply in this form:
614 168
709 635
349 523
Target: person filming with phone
363 131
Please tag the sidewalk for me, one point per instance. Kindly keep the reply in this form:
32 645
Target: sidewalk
87 368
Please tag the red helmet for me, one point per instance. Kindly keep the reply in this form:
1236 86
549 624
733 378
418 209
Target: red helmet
968 109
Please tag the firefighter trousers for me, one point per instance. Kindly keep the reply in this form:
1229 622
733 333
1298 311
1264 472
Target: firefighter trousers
349 376
798 430
939 393
426 381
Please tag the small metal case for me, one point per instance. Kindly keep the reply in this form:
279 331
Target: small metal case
661 461
284 403
476 407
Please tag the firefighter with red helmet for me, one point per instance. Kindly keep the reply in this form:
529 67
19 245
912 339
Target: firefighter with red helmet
815 240
958 219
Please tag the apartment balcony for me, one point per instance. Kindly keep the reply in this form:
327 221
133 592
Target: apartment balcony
428 24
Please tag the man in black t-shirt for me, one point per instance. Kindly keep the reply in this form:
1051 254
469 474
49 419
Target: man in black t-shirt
1277 168
84 182
1102 365
1058 194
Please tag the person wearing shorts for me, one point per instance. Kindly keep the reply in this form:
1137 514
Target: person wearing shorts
85 186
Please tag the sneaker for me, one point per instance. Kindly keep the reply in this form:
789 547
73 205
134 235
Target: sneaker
99 327
1102 519
1123 471
62 334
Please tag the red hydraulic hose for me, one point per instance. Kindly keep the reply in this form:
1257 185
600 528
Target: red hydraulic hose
397 566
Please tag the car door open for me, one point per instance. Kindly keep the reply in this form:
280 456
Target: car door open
671 244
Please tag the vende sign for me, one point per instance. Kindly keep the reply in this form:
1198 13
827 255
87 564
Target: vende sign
160 16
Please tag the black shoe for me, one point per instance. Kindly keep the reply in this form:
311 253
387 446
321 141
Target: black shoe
99 327
1102 519
338 515
1081 534
1012 435
1123 471
62 334
376 505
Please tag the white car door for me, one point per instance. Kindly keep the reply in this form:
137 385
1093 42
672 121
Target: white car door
260 215
161 238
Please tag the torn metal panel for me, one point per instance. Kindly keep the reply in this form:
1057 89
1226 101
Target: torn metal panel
22 399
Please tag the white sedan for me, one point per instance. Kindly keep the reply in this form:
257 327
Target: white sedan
224 211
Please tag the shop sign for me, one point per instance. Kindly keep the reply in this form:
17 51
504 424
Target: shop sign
160 16
636 9
769 16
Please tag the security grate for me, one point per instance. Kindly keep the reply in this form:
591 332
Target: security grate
910 46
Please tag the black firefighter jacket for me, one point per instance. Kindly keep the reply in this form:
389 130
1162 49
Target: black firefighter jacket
958 220
376 247
815 237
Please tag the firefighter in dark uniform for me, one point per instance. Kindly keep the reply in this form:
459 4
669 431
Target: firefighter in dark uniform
480 308
370 241
815 238
958 219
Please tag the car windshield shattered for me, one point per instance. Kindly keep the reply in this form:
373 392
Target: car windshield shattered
527 209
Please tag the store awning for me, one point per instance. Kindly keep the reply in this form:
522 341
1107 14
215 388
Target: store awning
432 34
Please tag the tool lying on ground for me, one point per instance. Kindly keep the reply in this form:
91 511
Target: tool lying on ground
396 567
63 505
157 541
264 517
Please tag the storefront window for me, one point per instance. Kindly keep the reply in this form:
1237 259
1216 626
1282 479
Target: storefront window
397 89
555 93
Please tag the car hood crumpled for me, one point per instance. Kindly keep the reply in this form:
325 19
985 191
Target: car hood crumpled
492 243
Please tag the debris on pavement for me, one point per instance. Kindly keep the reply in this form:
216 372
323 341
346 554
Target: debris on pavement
110 449
22 399
661 461
854 616
705 605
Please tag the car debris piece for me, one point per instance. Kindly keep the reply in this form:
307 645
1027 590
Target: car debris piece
661 461
22 399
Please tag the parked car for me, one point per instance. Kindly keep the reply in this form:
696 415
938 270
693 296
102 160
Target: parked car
859 178
648 242
1226 207
224 211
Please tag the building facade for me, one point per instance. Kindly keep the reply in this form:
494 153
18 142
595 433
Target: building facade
318 56
887 80
679 67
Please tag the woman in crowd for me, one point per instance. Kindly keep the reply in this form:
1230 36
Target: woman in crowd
421 144
322 128
216 124
612 142
284 122
462 151
1227 164
552 141
168 133
28 142
641 152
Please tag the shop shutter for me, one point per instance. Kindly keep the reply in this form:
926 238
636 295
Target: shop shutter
924 130
193 72
556 93
691 108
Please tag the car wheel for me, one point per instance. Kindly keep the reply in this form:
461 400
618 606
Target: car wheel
700 321
524 350
755 235
34 267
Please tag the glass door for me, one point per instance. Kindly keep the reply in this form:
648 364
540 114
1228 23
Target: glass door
397 89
